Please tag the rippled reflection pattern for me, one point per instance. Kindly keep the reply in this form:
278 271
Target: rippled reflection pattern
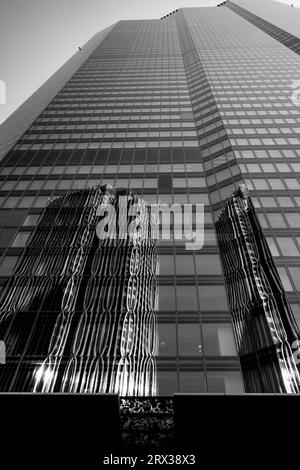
263 322
78 314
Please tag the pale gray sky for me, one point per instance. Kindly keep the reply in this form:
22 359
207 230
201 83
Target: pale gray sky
38 36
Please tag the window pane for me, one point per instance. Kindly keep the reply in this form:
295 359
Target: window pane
21 239
189 339
36 184
276 220
50 184
293 219
8 265
260 184
224 382
166 265
272 246
208 265
212 298
285 201
284 279
6 236
268 202
166 299
185 264
210 237
295 273
4 216
41 201
167 382
21 185
288 246
10 202
16 217
26 201
192 382
276 183
31 219
296 311
167 339
64 184
186 298
218 339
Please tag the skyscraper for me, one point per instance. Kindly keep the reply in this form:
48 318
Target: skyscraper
181 109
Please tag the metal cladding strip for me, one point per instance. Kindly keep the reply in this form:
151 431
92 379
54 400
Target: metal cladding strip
99 297
263 322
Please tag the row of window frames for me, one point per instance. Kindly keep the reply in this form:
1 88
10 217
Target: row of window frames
115 144
240 102
191 339
264 130
156 106
157 99
269 167
243 122
168 265
282 153
202 264
278 220
89 114
185 298
212 297
121 91
122 168
140 125
213 381
190 182
107 135
166 84
42 201
264 112
24 202
98 121
86 169
216 135
170 382
16 217
268 141
272 183
130 113
11 202
284 246
281 201
21 239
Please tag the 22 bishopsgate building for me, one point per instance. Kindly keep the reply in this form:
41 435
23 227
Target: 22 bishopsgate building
192 108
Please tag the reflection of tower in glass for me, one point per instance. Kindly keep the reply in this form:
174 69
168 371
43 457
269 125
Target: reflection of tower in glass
82 309
263 322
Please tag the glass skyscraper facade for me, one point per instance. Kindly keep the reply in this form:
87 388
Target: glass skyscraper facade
182 109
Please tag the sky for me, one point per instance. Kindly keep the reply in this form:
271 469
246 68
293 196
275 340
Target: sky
39 36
